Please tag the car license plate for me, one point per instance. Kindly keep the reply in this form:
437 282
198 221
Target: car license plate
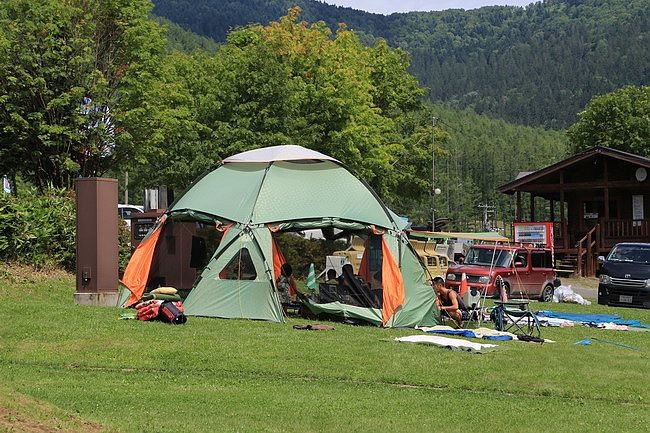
625 298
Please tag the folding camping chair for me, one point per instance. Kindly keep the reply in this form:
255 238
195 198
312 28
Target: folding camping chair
515 316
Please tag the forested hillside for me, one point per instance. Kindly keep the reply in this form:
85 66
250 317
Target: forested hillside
537 65
215 18
479 155
540 65
182 40
475 154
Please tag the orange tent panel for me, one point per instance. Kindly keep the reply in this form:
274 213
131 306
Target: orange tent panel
364 266
392 282
278 261
137 271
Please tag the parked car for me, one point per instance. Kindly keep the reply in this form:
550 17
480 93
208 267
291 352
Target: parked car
125 211
523 271
625 276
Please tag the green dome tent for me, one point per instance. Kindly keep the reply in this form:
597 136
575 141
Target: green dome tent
254 194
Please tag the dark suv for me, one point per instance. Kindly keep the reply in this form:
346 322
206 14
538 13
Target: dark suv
527 272
625 276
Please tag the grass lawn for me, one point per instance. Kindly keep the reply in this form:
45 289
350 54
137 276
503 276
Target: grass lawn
76 368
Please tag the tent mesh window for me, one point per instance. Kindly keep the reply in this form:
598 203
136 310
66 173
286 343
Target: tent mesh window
240 267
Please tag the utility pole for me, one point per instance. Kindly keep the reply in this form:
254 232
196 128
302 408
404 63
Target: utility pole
433 176
486 209
126 187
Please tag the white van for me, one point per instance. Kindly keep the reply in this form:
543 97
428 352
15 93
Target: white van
125 211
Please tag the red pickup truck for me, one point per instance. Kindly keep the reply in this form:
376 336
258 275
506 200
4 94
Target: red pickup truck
527 272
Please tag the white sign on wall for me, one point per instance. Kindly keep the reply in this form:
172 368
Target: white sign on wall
530 234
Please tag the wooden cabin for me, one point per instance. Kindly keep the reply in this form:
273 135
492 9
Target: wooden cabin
595 199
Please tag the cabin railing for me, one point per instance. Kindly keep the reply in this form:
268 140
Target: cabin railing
558 234
557 230
626 230
586 250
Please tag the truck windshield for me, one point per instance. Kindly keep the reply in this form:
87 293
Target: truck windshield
630 254
489 257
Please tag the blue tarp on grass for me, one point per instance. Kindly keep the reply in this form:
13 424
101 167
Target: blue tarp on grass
468 333
592 318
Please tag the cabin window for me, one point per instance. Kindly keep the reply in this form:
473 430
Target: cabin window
592 210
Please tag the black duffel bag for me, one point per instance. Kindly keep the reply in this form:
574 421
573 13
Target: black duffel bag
172 312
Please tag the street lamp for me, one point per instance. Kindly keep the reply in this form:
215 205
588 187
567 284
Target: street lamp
435 192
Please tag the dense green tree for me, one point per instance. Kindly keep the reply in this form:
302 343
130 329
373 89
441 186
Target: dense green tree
175 143
620 120
40 113
69 72
296 83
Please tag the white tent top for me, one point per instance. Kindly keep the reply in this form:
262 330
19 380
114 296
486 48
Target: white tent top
279 153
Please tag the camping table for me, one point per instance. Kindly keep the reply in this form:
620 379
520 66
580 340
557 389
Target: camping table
515 316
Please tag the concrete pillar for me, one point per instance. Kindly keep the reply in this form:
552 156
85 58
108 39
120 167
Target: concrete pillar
97 241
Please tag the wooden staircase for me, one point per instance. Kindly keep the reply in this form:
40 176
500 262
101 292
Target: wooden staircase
566 265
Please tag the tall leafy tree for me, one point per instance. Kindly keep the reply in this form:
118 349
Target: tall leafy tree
620 120
292 82
41 97
175 143
69 71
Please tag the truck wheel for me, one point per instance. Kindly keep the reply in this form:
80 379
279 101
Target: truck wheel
547 293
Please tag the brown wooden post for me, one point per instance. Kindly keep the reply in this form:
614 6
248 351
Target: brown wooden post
565 232
589 258
606 191
532 207
552 211
518 209
604 221
579 261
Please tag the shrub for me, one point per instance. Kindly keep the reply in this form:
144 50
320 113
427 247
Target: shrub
38 229
124 241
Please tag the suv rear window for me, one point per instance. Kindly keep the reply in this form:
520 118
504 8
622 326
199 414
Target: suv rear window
541 259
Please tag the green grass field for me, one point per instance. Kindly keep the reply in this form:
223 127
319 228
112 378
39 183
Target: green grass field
76 368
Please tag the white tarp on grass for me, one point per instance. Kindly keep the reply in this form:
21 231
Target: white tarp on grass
450 343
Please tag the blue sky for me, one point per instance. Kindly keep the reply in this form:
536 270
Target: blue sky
390 6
